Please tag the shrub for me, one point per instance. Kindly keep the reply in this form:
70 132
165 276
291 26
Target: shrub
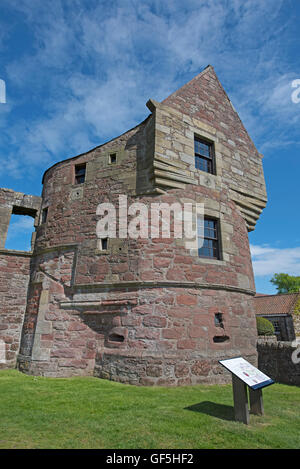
264 326
297 308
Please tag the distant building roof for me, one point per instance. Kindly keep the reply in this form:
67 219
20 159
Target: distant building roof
275 304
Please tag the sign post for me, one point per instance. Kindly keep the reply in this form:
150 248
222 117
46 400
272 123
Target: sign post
256 401
240 400
246 375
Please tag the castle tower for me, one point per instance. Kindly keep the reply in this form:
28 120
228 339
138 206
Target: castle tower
149 310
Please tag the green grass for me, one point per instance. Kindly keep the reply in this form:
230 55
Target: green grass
38 412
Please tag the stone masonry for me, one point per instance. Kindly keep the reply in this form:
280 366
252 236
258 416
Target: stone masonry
280 360
14 273
142 311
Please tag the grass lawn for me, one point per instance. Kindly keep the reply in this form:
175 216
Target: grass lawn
38 412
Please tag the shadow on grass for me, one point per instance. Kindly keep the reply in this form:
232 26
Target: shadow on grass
220 411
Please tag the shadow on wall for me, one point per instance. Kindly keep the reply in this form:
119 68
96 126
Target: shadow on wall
220 411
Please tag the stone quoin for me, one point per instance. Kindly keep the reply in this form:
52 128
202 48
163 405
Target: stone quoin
139 311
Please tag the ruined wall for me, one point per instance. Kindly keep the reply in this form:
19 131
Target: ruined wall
14 272
143 311
14 278
17 203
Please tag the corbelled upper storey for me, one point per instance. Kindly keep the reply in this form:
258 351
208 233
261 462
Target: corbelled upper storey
200 139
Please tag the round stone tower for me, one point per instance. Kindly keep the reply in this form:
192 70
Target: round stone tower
149 309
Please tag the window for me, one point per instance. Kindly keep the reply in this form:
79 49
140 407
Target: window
277 328
208 238
103 244
219 320
20 230
80 173
204 156
113 158
44 215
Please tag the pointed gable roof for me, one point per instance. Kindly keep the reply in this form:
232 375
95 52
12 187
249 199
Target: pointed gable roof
205 99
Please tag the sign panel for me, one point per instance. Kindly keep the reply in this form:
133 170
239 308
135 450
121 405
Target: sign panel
248 373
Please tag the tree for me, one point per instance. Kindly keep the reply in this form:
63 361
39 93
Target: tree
286 283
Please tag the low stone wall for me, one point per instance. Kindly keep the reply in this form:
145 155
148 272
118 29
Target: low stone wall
266 338
279 360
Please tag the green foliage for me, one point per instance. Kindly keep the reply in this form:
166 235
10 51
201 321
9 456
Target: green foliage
286 283
297 308
264 326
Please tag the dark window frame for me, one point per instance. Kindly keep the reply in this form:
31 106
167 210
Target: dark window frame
44 215
80 173
103 244
214 245
218 320
277 326
201 158
113 158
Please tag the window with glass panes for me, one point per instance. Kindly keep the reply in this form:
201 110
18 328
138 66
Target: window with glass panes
204 156
208 238
277 328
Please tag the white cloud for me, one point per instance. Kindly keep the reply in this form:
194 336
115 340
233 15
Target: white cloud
20 224
268 261
94 66
19 233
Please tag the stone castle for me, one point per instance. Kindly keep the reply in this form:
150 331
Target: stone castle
139 311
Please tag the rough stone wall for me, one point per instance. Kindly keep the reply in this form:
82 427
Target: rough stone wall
12 202
14 272
167 336
14 277
275 359
296 317
205 109
143 310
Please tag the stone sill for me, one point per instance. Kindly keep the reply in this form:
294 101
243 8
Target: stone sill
204 260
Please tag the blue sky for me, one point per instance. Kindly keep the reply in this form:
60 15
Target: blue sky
79 72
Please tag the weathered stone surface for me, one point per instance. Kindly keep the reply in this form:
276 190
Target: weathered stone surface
143 311
279 360
14 278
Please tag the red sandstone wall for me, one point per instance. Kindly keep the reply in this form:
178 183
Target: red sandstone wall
205 98
14 277
168 331
143 312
